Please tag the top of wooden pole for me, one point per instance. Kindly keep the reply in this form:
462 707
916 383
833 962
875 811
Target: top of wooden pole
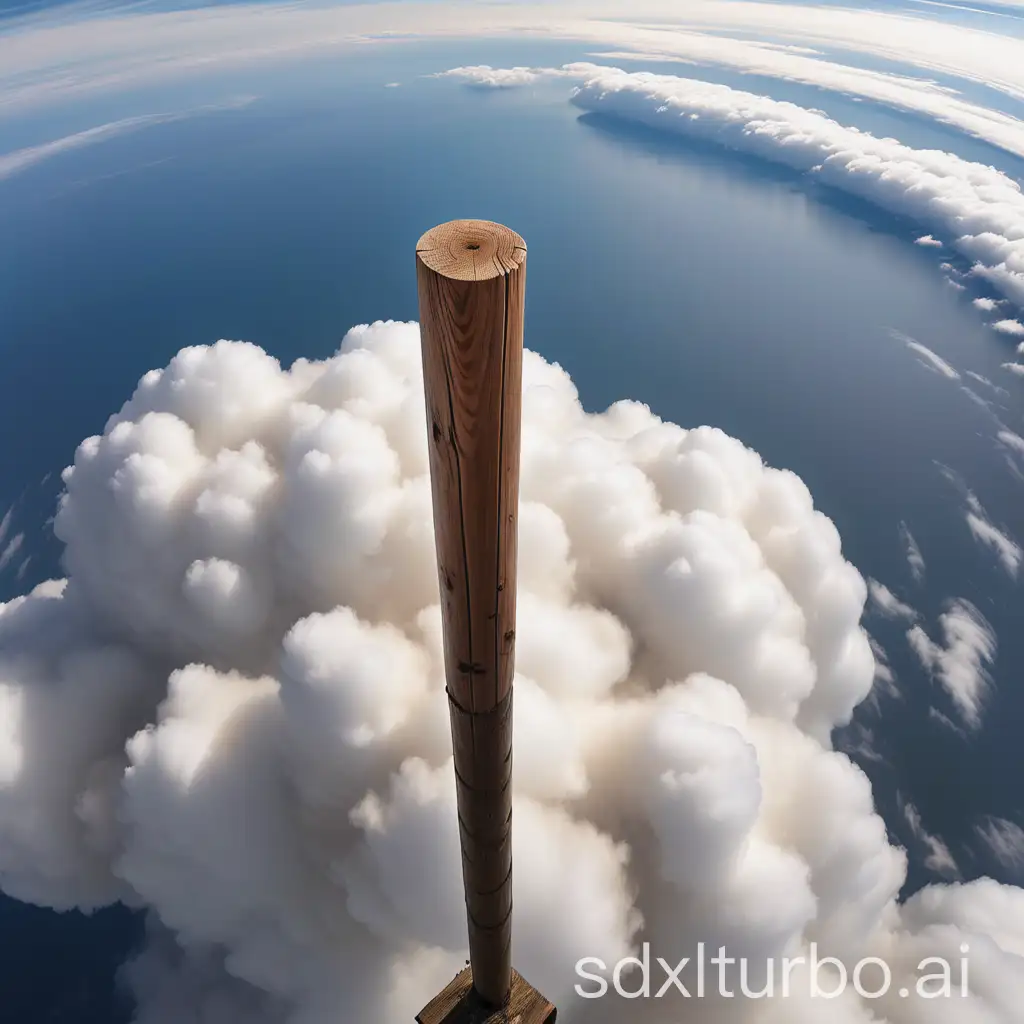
471 250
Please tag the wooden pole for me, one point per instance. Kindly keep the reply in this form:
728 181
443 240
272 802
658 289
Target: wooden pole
471 278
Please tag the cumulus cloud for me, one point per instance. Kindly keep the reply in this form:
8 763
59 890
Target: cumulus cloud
1005 841
231 713
483 76
938 858
985 304
928 240
961 662
1017 369
888 604
1012 327
914 557
980 207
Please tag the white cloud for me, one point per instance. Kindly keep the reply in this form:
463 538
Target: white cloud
1015 368
884 674
986 305
962 7
10 549
1011 440
22 159
984 380
981 207
859 742
928 359
1000 3
673 44
983 530
914 557
937 46
1012 327
1005 840
938 857
888 604
935 715
53 56
982 403
232 713
5 523
1006 549
927 240
961 662
485 77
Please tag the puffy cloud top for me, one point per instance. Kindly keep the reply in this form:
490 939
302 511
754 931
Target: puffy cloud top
232 712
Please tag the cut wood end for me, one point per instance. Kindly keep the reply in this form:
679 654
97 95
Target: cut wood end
457 1004
471 250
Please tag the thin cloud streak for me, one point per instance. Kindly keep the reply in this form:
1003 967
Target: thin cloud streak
914 557
20 160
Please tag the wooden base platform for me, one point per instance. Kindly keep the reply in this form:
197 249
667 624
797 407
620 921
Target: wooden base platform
457 1003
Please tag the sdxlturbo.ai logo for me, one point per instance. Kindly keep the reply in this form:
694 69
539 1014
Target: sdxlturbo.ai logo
820 977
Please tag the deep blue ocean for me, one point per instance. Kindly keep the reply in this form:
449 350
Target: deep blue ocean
715 288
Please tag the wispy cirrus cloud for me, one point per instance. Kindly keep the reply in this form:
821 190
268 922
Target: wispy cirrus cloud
914 557
10 549
1011 440
926 357
938 857
998 540
961 661
1004 840
19 160
1006 549
888 604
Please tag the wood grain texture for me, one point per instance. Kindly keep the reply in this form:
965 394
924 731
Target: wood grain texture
455 1004
471 278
